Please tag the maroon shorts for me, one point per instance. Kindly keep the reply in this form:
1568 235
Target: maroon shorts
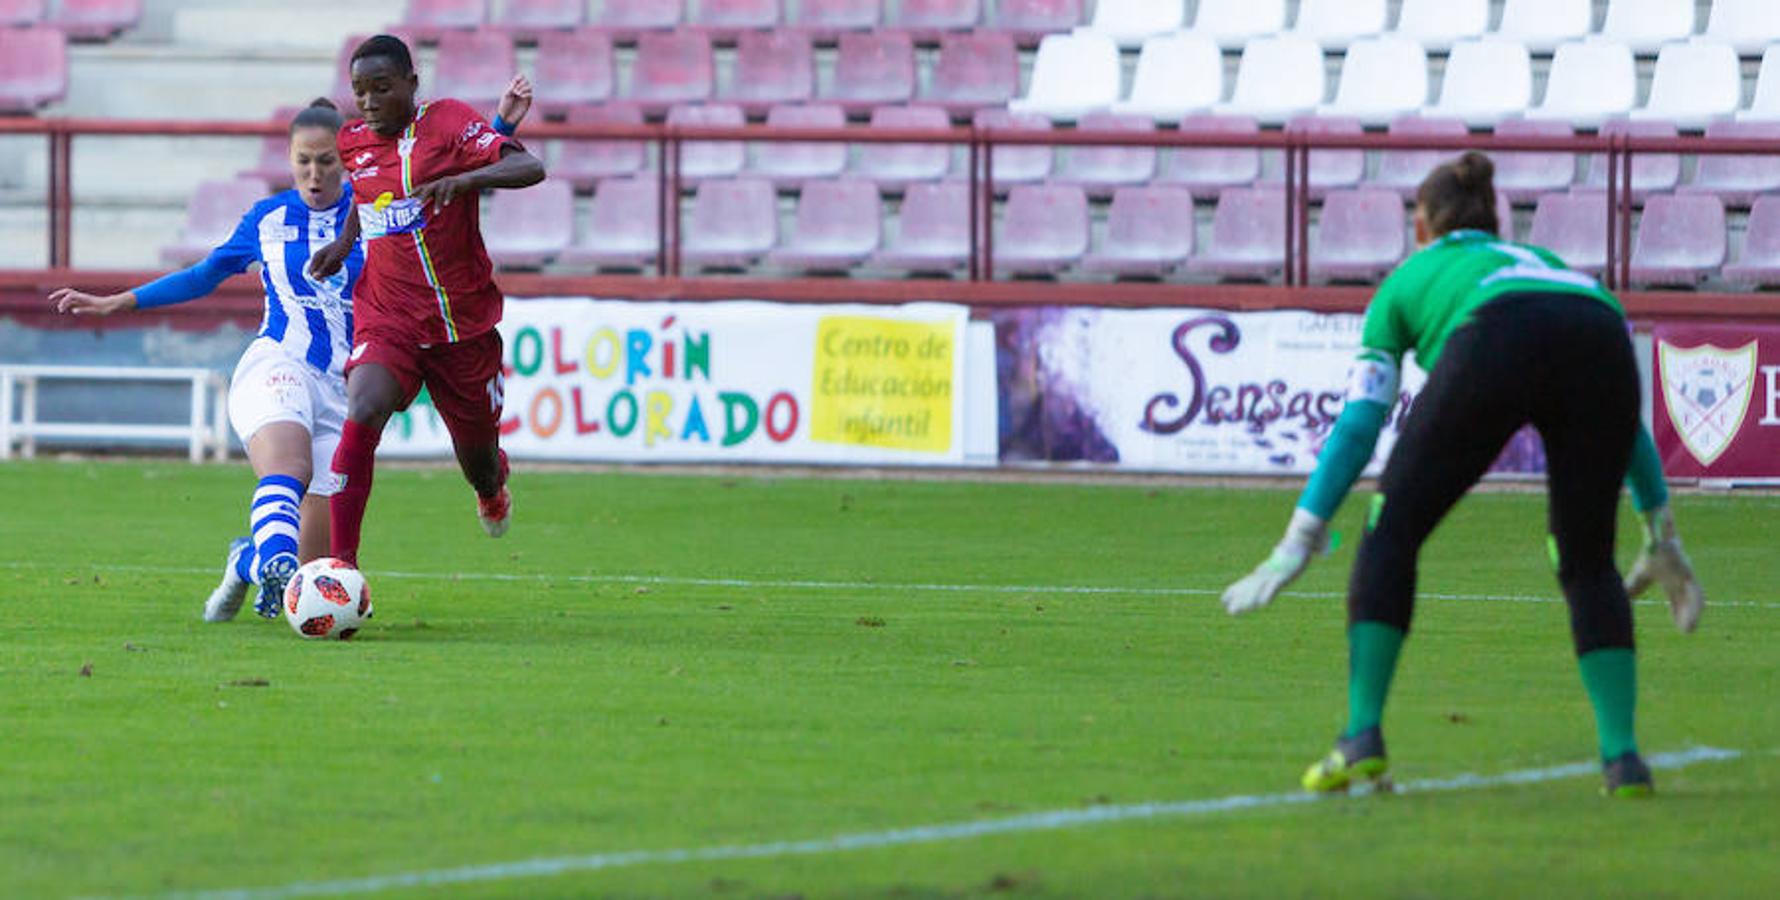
463 379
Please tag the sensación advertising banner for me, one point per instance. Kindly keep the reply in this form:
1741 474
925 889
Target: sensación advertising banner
1188 390
722 382
1716 400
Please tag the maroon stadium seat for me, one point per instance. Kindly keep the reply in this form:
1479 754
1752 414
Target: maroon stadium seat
96 20
429 20
273 166
1403 170
342 92
585 163
1574 226
1100 169
1017 164
772 67
526 229
933 231
623 227
1030 20
33 68
1149 231
572 68
733 223
532 19
1680 240
873 69
973 71
710 159
1206 172
1248 235
672 67
211 216
929 18
724 19
1651 172
895 165
1331 169
1738 179
1044 230
837 227
824 20
626 19
475 67
1526 176
19 13
790 164
1760 264
1362 235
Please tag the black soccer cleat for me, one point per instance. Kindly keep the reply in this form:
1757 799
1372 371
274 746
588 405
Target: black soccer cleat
1627 776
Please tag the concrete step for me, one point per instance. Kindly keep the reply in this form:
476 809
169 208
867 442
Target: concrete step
254 27
105 237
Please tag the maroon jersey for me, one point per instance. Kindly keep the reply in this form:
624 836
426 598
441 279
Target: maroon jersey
427 274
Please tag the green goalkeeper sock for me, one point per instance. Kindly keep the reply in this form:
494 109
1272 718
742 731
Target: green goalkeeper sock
1372 649
1611 676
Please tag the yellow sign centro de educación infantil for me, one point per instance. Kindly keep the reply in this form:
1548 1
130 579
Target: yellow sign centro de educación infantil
883 383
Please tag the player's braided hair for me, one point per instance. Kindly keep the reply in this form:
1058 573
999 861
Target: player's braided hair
389 47
1460 194
321 113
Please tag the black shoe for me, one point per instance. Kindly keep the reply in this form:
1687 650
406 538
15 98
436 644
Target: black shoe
1627 776
1357 758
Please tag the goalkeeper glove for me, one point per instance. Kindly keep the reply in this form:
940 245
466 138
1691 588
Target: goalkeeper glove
1306 535
1662 561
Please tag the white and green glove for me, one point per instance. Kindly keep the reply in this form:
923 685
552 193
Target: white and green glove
1307 535
1662 561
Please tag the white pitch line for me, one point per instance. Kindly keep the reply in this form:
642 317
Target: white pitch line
1052 820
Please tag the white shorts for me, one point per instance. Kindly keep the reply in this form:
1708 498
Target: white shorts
270 386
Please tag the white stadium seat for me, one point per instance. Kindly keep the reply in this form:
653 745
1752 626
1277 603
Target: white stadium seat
1334 24
1233 23
1438 24
1544 24
1645 25
1129 22
1279 77
1695 83
1381 79
1748 25
1177 74
1074 74
1590 81
1486 81
1766 105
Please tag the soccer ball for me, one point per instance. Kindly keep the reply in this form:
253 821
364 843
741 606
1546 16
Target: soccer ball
327 598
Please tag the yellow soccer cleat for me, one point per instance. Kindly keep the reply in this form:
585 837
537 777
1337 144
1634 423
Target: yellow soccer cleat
1359 758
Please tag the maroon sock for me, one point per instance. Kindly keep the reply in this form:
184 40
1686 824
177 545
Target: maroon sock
354 461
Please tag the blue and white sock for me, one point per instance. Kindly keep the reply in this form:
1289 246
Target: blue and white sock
273 518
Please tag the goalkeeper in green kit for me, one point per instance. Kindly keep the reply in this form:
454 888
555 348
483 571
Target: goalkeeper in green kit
1509 336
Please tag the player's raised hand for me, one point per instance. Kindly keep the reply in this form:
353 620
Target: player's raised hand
1306 536
439 194
517 101
70 302
1662 561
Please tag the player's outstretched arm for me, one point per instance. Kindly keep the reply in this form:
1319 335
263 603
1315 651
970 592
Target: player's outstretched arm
516 169
70 302
177 287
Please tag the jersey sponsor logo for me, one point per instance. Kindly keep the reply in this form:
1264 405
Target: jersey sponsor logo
388 216
366 173
1707 391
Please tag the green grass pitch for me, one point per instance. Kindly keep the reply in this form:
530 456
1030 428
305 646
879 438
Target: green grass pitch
776 685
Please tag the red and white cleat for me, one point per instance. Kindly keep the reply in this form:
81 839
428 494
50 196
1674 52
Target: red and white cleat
496 512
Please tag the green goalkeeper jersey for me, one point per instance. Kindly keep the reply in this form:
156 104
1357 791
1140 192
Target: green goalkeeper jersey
1435 291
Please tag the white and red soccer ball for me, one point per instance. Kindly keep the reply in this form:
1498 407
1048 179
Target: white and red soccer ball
327 599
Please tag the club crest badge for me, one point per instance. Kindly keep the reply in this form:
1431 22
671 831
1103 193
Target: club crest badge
1706 390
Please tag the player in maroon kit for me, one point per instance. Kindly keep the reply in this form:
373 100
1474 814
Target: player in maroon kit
427 305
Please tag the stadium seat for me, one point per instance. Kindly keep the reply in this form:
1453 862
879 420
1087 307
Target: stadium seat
894 165
973 71
623 226
1233 23
772 67
1361 236
1248 235
1645 25
1485 81
1680 240
1044 230
710 159
1438 24
627 20
33 68
1651 172
1695 83
19 13
474 66
1279 77
837 226
1382 78
96 20
789 164
872 69
1574 226
1330 169
572 68
1334 24
429 20
1590 82
1749 26
1030 20
1542 25
1073 74
1019 164
1130 22
532 19
273 166
1760 262
1766 105
1523 175
930 18
824 20
671 67
1403 170
1100 169
733 223
526 229
211 215
1206 172
933 231
724 20
1149 232
585 163
1504 216
1738 179
342 92
1177 74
